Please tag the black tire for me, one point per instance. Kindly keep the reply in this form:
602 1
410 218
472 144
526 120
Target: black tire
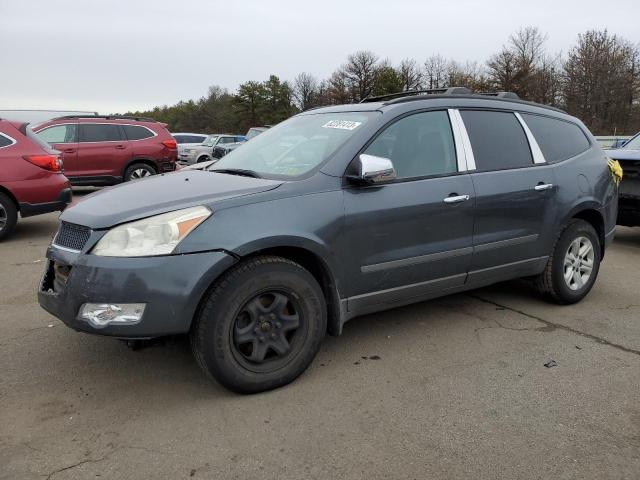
8 216
203 158
551 282
230 314
134 172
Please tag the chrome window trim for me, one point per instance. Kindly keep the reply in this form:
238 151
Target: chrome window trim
464 138
538 157
457 140
98 123
13 140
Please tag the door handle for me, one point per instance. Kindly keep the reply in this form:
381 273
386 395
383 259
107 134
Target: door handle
543 186
456 199
120 147
69 150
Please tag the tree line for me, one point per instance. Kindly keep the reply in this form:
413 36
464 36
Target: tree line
597 80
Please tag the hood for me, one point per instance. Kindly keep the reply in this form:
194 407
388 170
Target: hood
623 154
159 194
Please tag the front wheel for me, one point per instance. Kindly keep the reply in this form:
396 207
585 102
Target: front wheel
138 171
203 158
260 325
573 266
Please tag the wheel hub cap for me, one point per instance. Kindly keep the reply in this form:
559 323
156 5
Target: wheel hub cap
264 327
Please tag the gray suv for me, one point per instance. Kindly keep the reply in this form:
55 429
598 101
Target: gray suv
334 213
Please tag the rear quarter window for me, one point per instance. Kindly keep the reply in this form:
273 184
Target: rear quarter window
497 139
5 141
136 132
558 140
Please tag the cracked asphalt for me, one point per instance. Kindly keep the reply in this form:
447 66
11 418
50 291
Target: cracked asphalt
453 388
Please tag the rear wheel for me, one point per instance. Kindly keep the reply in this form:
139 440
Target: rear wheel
260 326
137 171
8 216
573 266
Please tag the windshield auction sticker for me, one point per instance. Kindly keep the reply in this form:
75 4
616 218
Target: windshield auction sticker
342 124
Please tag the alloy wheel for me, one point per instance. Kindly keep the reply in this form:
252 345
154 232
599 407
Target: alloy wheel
578 263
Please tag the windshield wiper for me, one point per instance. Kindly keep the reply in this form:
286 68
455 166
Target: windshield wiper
236 171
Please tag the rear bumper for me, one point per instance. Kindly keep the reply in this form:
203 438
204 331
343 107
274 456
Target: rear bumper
170 286
60 203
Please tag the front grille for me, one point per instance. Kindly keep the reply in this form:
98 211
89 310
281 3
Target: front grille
72 236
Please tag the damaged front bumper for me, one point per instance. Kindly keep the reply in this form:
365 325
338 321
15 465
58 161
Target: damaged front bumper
170 287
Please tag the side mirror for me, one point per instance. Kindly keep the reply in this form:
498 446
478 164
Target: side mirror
371 170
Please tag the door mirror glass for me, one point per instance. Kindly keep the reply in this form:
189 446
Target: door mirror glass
370 170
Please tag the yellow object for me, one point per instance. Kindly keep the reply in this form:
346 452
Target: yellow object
616 170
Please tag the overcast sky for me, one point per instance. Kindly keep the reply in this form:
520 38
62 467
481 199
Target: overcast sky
119 55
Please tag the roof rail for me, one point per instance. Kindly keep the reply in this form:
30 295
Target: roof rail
511 95
431 91
108 117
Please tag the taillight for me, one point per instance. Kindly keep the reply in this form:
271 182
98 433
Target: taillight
170 144
48 162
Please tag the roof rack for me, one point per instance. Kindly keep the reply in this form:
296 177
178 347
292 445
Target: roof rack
107 117
431 91
513 96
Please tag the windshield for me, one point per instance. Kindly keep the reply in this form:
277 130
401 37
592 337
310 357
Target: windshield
210 141
633 144
296 146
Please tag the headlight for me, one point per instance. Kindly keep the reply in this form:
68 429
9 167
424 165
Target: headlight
158 235
189 150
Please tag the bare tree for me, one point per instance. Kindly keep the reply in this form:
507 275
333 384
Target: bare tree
339 91
601 83
360 71
435 72
305 91
410 74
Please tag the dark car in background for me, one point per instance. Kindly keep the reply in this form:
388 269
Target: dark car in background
629 195
31 176
105 150
334 213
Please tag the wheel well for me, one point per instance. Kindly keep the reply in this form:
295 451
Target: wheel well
595 219
146 161
10 195
316 266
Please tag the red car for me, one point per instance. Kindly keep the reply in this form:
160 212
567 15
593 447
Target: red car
31 178
105 150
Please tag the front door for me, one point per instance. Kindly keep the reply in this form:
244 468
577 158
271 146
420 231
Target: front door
413 236
64 138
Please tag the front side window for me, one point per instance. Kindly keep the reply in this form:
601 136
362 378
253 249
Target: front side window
136 132
59 134
296 146
99 132
227 140
558 140
419 145
497 139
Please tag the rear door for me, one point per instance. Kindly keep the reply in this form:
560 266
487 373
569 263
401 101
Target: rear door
515 191
405 239
64 138
103 150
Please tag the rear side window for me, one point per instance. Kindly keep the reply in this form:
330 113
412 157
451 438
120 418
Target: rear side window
497 140
419 145
558 140
99 132
136 132
5 141
59 134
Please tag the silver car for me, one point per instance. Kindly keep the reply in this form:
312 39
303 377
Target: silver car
202 152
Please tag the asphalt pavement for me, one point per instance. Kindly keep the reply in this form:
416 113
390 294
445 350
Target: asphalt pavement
454 388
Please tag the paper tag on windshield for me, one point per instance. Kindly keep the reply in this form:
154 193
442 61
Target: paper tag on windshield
342 124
